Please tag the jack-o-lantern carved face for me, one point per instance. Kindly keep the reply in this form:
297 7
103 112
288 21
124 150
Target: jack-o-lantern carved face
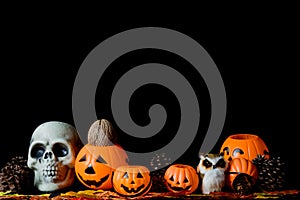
132 180
94 165
246 146
181 178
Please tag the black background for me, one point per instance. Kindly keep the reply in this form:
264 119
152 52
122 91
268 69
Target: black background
256 53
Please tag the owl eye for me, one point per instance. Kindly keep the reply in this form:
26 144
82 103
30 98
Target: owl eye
221 163
236 151
207 163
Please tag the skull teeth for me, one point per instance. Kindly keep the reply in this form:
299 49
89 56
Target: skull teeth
50 171
53 168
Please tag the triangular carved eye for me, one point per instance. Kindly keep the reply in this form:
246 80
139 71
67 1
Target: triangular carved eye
186 180
171 179
125 175
82 159
101 160
139 175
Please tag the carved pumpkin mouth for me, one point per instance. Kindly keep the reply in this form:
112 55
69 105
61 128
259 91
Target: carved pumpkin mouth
132 190
136 192
95 183
178 189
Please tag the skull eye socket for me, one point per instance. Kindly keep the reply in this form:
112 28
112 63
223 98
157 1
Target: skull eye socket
60 150
37 151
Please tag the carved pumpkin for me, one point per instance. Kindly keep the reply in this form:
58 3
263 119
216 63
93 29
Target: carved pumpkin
238 166
181 179
244 146
132 181
94 165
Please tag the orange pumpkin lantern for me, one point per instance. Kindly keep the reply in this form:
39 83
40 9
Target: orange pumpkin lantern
94 165
181 179
244 146
240 166
132 181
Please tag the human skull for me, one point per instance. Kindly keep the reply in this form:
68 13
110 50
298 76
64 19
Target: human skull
52 152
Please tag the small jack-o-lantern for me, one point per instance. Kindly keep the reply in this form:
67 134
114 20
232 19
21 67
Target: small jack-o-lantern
132 181
94 165
239 166
244 146
181 179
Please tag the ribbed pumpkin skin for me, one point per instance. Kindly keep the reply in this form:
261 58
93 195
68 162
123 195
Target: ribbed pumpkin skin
250 144
238 166
180 178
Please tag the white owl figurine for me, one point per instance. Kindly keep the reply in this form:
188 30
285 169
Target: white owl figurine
212 169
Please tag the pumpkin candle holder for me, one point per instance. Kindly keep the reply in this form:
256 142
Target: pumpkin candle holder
246 146
97 160
181 179
132 181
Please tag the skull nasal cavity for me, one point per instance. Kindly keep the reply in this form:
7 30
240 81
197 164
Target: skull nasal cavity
48 155
89 170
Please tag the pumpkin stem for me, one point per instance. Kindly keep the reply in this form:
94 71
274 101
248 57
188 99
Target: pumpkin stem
102 133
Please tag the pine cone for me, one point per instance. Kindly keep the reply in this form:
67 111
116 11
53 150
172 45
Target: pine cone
243 184
158 166
16 177
271 173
